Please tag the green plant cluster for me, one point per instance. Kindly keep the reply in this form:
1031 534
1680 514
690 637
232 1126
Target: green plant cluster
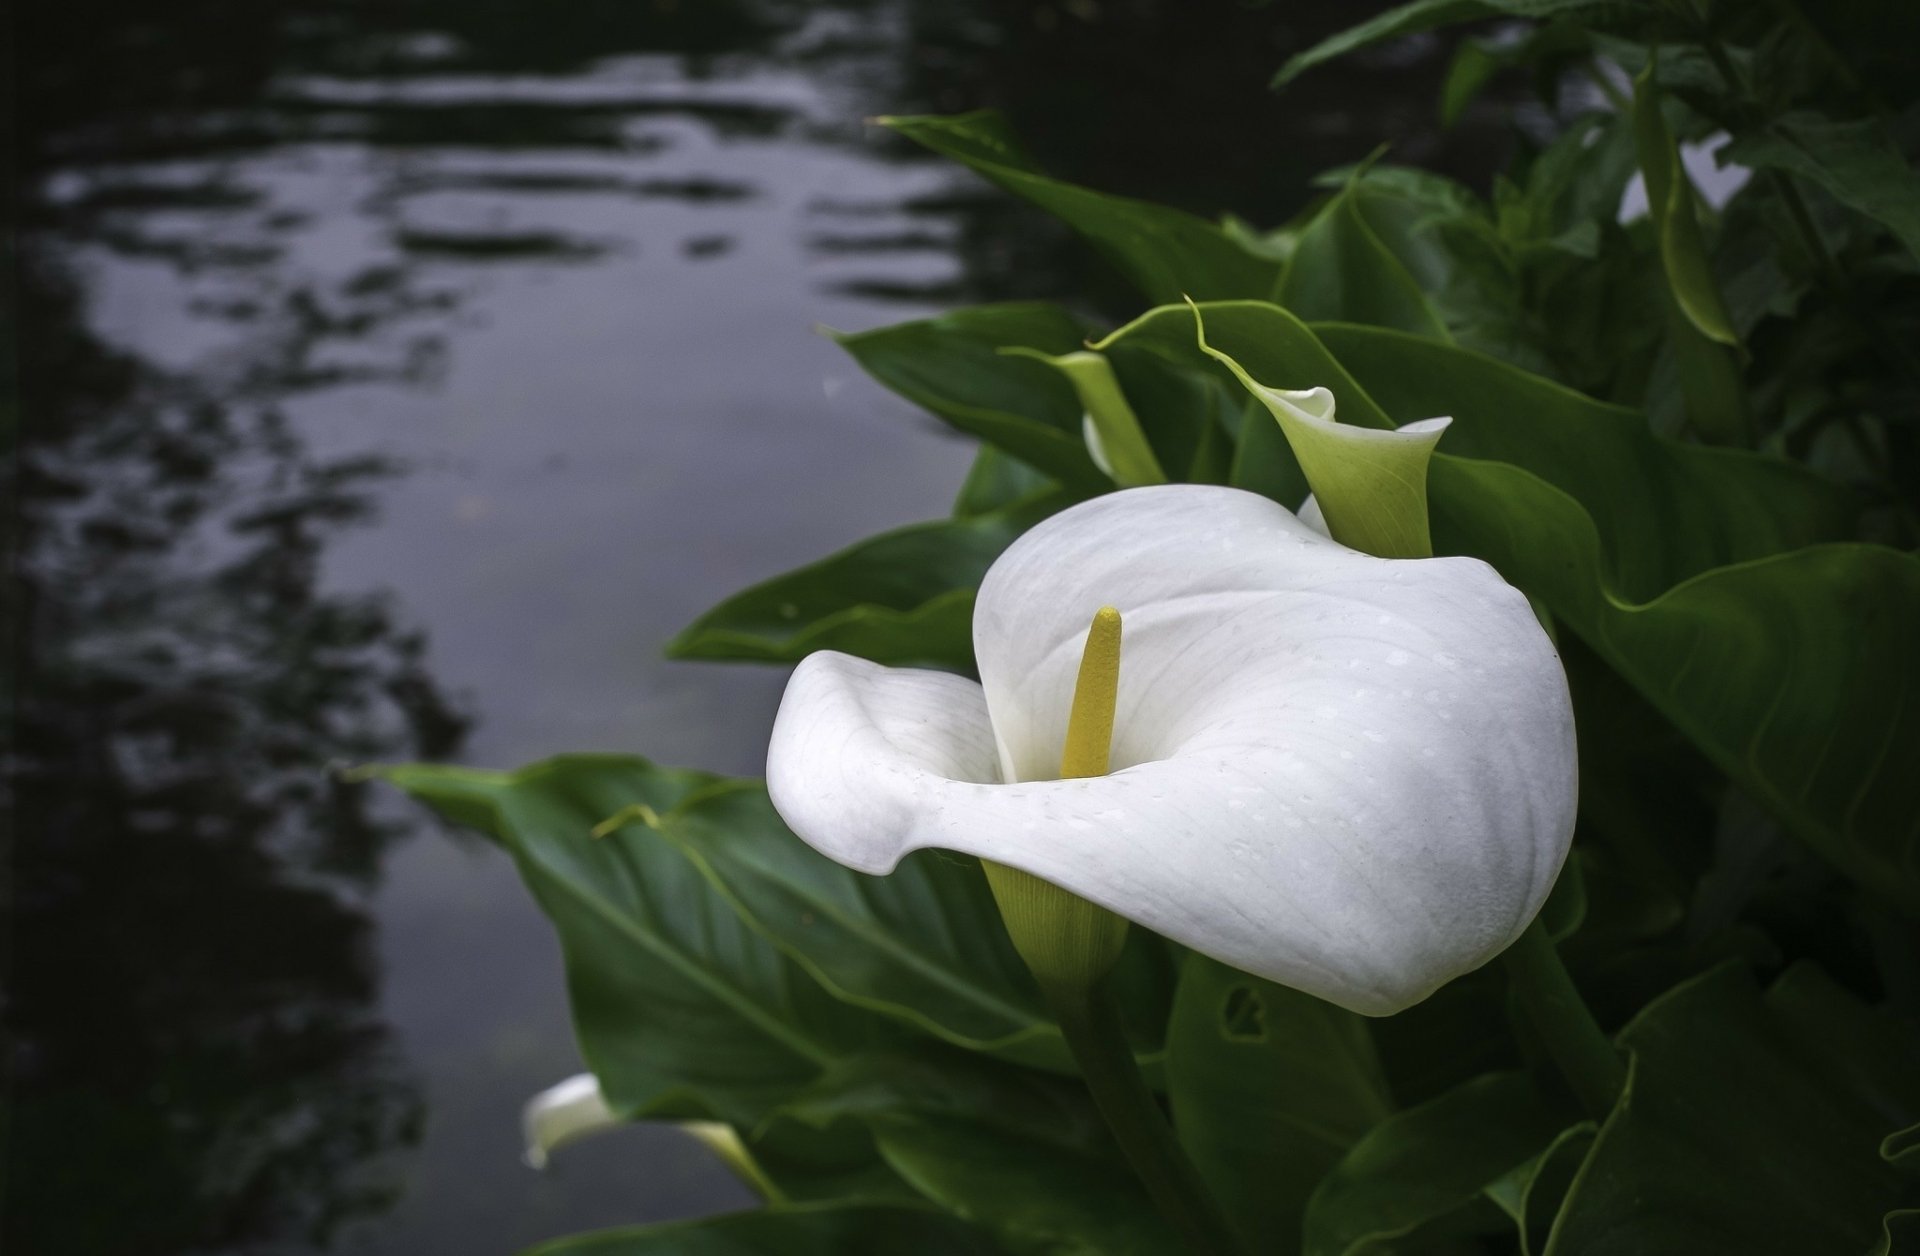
1689 437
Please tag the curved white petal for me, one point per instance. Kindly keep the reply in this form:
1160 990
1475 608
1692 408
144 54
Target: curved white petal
572 1109
1351 775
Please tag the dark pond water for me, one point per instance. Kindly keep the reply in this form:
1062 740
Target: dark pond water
395 378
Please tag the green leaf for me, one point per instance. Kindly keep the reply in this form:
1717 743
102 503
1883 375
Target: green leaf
1341 270
952 365
1473 66
1533 1193
1690 1161
1420 1165
1123 444
997 479
1263 461
1899 1234
1406 19
1269 1088
1855 161
1020 1153
681 1008
1426 15
903 598
1165 252
923 944
1692 508
817 1230
1671 201
1902 1148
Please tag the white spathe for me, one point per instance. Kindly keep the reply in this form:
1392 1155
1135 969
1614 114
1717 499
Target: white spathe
1351 775
561 1113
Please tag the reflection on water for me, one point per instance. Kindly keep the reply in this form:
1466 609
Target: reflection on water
396 378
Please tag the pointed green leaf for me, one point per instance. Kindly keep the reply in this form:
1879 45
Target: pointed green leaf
1425 15
680 1007
1533 1193
1671 201
903 598
1341 270
1165 252
997 479
1020 1153
1422 1164
1402 20
1689 1162
1857 162
952 365
923 943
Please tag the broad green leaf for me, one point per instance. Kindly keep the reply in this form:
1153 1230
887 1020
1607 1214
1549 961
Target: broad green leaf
1420 1165
1341 270
681 1008
1370 484
1122 448
903 598
1165 252
997 479
1533 1193
1691 509
1855 161
1711 597
1671 201
809 1230
1020 1153
1793 673
923 945
952 365
1750 1124
1263 461
1269 1088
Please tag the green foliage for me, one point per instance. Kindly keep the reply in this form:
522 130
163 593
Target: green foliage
821 1230
1692 439
1424 1165
1269 1087
904 597
1019 1153
1165 252
1751 1122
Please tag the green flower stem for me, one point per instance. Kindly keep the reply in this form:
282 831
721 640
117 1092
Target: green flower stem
1586 1058
1092 1030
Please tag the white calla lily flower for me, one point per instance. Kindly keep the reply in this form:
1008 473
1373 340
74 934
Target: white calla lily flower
1351 775
561 1113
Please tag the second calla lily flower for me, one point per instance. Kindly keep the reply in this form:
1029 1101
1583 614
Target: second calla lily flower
1351 775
